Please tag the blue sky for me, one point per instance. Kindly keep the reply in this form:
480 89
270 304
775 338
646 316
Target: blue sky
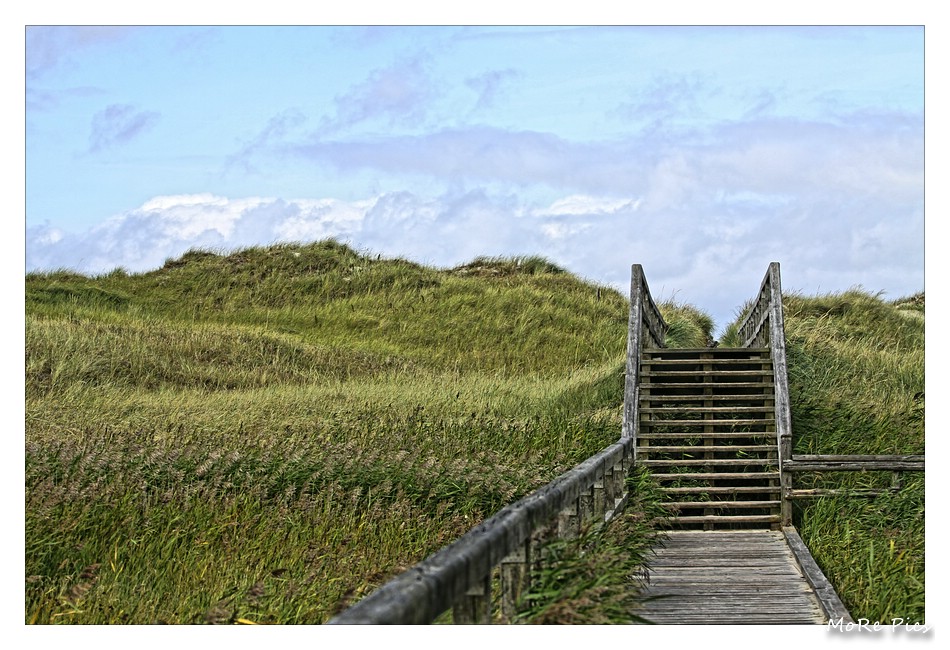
702 153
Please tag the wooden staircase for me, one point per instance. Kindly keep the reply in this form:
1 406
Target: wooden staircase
707 433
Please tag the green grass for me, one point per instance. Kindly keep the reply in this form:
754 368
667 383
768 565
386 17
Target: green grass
856 378
687 326
269 434
596 578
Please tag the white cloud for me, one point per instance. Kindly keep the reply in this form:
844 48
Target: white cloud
399 94
837 204
582 204
490 85
117 124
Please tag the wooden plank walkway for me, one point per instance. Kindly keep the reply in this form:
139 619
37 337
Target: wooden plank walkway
727 577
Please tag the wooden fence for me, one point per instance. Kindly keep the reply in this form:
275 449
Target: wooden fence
498 554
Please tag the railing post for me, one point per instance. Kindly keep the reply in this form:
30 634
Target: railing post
515 579
475 606
600 501
630 408
585 507
764 325
783 414
567 521
644 325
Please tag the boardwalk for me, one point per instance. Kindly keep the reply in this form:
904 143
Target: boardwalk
728 577
713 425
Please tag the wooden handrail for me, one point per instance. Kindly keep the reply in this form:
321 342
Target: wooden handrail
828 598
645 329
897 464
856 463
764 326
506 545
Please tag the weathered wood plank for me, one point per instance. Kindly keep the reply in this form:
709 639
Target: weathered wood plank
723 489
707 559
710 385
718 591
727 577
722 435
823 492
827 596
857 458
724 503
717 448
712 519
854 464
696 476
702 462
694 396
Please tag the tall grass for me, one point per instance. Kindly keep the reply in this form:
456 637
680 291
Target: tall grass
597 577
687 326
267 435
856 378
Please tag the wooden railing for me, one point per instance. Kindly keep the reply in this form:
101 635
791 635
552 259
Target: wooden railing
500 552
764 326
896 464
646 329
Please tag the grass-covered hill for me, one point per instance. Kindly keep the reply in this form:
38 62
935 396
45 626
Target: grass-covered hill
264 436
268 434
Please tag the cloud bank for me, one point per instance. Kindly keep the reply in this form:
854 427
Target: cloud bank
715 264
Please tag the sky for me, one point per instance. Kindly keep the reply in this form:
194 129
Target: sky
701 153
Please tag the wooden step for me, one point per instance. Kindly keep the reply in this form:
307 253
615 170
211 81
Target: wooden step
722 504
709 361
703 410
719 476
707 385
650 398
709 462
693 422
722 519
757 365
710 435
715 353
703 373
701 397
719 489
695 448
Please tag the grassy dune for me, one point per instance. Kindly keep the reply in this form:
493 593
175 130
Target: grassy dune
267 435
